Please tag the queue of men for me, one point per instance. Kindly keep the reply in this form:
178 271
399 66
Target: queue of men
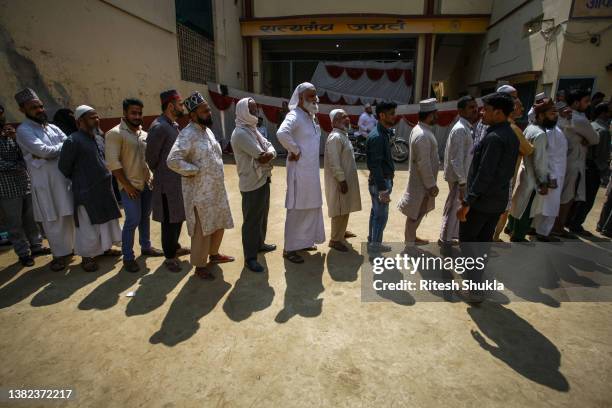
542 181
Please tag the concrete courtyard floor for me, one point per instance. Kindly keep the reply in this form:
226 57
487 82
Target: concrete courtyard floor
296 336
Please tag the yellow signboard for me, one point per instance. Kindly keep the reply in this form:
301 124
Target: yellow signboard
307 26
592 9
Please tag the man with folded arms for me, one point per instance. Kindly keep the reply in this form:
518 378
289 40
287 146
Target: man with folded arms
253 154
16 198
41 144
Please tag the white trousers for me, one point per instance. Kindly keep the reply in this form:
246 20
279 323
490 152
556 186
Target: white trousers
60 234
304 228
93 240
543 224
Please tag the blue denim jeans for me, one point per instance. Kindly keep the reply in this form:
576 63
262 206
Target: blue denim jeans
379 214
137 214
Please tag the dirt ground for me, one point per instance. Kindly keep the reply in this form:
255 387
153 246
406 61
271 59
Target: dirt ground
298 335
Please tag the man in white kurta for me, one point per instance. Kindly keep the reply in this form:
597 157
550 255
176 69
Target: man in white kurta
421 191
341 180
301 136
546 209
41 144
367 121
457 159
535 181
196 155
580 135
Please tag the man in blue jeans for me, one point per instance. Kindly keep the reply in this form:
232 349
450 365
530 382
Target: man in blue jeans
382 170
125 157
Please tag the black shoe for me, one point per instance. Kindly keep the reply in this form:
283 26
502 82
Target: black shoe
152 252
26 260
58 264
41 251
267 248
582 232
131 266
377 247
254 266
292 256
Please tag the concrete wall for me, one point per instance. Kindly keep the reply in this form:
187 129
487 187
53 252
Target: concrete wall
228 44
272 8
465 6
517 53
586 59
88 51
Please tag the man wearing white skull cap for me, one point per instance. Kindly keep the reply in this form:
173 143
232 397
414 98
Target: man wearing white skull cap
421 191
96 212
341 180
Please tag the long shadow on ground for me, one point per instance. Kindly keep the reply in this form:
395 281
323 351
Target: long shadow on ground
196 299
518 344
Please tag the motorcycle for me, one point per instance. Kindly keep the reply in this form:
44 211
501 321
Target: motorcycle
400 151
359 145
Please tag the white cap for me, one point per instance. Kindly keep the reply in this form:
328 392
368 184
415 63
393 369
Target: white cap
333 113
428 105
540 96
81 110
507 89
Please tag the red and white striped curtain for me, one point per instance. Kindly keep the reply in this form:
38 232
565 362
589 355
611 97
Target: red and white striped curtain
361 82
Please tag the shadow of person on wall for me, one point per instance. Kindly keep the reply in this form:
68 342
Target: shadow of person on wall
154 289
196 299
344 266
251 293
304 285
518 344
107 294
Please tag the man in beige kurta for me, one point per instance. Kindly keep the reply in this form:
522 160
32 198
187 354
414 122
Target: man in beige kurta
422 189
196 155
341 180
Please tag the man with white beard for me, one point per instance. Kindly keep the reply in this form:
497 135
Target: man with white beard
301 136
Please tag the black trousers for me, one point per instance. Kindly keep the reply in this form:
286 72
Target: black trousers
170 232
605 221
581 209
475 236
255 208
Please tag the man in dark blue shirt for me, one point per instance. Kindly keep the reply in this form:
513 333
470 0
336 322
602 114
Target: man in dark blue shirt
382 170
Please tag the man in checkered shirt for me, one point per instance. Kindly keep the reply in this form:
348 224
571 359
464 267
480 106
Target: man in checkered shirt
15 198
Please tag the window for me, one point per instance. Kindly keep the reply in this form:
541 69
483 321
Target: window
196 55
494 45
533 26
195 36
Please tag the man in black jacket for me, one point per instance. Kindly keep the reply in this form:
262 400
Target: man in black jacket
96 212
488 180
